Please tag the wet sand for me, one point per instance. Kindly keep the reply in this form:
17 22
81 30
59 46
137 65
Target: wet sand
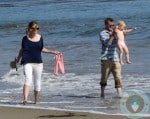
30 113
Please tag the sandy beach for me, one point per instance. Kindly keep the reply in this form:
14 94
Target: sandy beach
28 113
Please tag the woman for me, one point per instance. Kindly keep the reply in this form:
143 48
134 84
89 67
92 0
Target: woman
30 55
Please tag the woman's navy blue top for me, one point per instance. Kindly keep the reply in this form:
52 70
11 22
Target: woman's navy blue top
31 51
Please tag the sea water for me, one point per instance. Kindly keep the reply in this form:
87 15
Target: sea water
72 27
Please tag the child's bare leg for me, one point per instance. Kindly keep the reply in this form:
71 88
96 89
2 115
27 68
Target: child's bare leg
127 54
120 53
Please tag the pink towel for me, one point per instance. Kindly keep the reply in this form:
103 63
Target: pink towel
59 64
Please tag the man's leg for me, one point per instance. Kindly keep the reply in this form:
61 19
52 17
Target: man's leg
119 92
102 91
105 71
116 70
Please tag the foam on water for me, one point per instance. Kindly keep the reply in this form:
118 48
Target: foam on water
71 91
71 81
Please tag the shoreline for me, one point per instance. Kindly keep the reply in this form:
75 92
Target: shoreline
10 112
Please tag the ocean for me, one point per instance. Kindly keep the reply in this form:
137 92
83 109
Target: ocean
72 27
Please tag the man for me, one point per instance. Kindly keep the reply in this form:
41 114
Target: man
109 58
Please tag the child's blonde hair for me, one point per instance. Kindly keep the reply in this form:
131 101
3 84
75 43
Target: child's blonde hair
121 23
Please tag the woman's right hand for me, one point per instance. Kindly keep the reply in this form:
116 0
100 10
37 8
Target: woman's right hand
17 60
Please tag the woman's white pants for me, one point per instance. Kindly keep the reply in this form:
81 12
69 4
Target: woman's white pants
33 74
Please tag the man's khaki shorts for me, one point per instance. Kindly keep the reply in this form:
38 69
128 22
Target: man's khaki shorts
107 67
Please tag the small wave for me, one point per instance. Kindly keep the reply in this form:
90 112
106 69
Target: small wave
13 76
9 26
91 32
6 5
64 102
81 96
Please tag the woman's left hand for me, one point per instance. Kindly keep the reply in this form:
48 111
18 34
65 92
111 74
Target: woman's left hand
57 52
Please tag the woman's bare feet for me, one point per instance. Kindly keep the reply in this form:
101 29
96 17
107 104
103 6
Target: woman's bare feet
25 102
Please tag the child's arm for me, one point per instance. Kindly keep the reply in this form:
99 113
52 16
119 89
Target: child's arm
128 30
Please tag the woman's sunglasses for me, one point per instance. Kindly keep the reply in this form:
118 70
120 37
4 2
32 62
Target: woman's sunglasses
34 28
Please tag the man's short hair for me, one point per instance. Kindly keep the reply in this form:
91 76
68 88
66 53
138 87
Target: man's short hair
108 19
